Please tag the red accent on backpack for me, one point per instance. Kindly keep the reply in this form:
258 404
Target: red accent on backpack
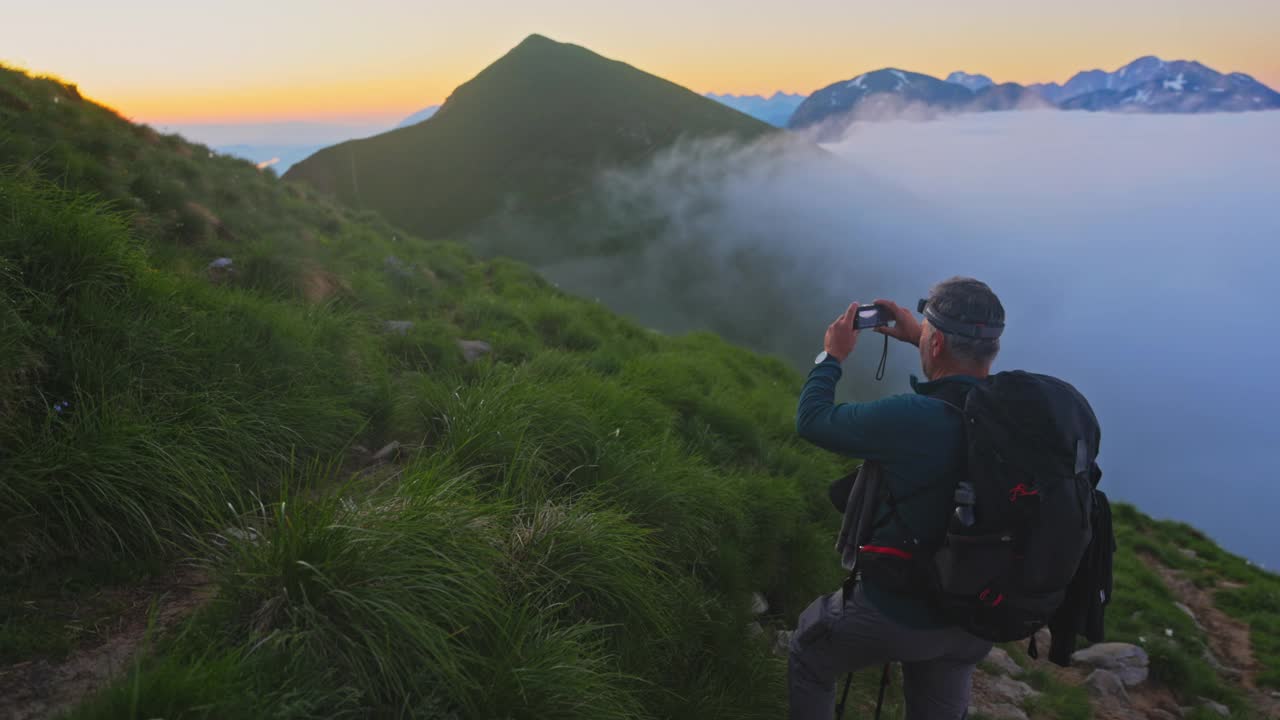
1021 491
882 550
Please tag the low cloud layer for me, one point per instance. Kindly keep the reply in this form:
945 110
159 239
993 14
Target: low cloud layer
1134 254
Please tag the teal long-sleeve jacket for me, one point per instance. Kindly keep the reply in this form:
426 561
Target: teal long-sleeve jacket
919 443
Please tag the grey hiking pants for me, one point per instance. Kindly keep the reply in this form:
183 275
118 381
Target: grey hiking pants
833 638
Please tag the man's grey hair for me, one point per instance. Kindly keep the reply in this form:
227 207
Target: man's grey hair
970 301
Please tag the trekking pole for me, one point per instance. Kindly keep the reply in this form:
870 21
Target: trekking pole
846 588
844 696
884 684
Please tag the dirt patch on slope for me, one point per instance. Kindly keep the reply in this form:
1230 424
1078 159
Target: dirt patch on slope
42 688
319 286
1228 638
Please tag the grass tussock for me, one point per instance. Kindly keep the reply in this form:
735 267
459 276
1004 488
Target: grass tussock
142 404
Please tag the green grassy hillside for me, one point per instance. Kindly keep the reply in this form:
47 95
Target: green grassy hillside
572 526
528 132
575 523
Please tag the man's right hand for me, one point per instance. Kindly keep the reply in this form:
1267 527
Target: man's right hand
905 326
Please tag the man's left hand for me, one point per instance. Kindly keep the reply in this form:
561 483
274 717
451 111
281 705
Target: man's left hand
841 337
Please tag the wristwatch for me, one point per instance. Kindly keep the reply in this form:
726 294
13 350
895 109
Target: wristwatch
822 357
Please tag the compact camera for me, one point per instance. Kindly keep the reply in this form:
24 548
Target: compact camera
870 316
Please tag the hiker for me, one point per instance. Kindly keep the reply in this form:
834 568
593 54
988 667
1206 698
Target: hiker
975 517
919 444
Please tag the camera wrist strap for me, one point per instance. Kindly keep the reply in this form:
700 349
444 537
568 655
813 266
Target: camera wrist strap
884 358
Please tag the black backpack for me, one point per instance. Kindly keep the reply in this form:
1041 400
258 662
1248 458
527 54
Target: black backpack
1006 562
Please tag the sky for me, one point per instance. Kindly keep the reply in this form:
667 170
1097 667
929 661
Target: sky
376 61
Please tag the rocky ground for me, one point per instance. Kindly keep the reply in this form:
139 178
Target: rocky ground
1116 674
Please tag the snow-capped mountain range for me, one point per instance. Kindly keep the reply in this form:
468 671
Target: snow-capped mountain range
1148 84
886 92
893 93
1135 73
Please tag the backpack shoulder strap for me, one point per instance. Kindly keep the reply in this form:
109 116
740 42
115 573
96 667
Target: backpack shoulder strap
953 394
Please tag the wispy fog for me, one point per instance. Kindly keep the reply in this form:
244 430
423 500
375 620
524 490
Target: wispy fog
1136 256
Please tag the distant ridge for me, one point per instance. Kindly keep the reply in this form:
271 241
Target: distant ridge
973 82
1146 85
1150 84
887 92
529 132
775 109
424 114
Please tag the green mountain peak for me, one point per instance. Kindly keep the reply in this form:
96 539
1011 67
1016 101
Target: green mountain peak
529 132
537 40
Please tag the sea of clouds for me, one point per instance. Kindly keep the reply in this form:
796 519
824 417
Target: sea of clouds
1136 256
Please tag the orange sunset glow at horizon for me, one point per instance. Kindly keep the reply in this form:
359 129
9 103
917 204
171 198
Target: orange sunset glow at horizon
387 59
